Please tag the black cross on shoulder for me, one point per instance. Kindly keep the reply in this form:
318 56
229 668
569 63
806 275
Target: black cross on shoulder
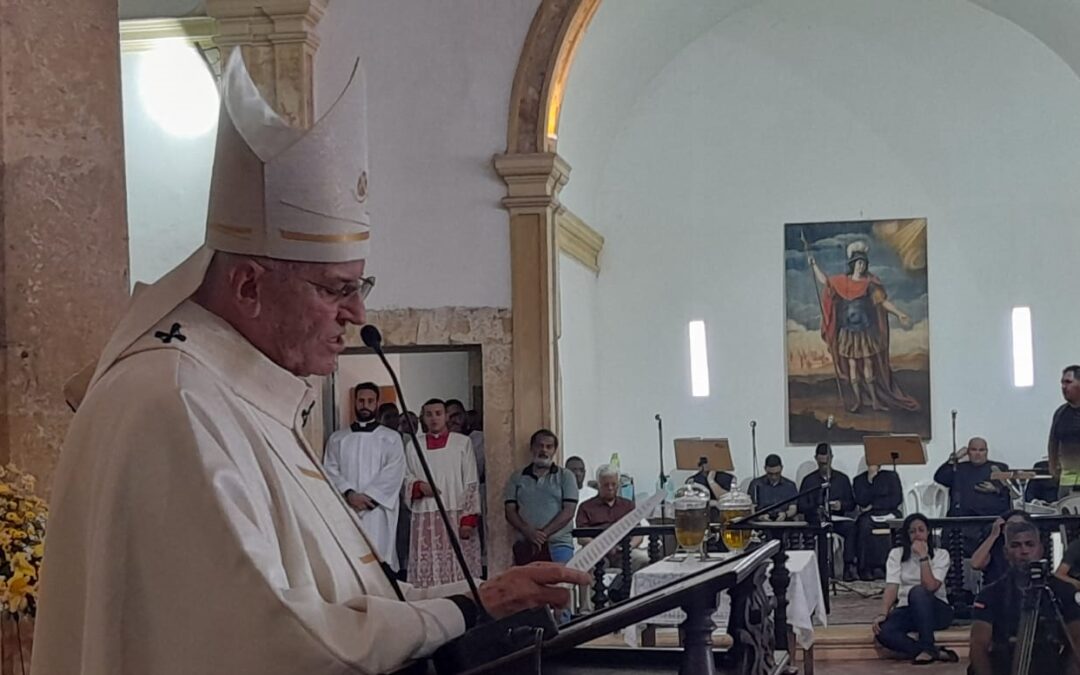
306 414
173 334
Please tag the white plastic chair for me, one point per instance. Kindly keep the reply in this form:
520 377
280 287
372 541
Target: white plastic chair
804 470
744 484
928 498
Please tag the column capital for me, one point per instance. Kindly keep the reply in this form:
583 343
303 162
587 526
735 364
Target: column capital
279 42
266 22
533 180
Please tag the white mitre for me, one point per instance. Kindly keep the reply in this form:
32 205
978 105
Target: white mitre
276 191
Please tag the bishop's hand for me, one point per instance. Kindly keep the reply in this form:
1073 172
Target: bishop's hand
533 585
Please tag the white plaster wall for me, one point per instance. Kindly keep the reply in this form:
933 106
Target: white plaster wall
438 81
442 375
423 376
577 358
168 180
832 110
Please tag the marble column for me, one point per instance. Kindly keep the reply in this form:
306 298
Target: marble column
64 259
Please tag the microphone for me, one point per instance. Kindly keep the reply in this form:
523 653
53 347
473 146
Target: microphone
753 444
953 458
372 338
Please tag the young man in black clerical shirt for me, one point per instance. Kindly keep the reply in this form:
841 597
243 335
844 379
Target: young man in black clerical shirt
1064 445
841 503
773 488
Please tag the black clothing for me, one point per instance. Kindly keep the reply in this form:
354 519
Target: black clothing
999 604
884 496
721 478
766 494
1066 425
1044 490
964 500
839 490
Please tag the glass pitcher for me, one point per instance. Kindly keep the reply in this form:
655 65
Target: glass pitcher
735 504
691 518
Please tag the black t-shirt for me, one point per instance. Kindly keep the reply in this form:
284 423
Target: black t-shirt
999 604
1066 428
1071 557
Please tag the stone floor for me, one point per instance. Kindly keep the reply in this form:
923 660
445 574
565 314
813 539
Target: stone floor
856 603
885 668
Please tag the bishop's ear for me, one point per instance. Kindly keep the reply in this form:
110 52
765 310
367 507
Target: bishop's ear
247 281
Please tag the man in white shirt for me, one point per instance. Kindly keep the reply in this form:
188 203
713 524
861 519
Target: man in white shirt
576 466
366 464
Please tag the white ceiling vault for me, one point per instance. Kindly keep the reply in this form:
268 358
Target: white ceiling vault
630 42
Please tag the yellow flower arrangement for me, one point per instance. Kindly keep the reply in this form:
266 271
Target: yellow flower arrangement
22 533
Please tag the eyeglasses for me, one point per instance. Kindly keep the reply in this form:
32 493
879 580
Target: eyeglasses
339 295
346 291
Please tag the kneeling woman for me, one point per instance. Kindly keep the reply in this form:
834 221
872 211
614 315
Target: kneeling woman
914 600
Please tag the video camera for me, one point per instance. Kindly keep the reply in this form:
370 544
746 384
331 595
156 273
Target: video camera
1038 573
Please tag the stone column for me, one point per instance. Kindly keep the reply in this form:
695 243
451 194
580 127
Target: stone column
533 182
64 259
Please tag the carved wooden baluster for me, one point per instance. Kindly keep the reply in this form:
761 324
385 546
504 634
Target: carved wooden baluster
824 559
654 548
780 578
696 630
954 580
599 594
623 592
752 628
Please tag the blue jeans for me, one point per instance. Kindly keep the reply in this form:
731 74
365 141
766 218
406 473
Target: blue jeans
561 553
923 614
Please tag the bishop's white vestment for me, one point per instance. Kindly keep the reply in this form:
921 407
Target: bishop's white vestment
192 530
370 460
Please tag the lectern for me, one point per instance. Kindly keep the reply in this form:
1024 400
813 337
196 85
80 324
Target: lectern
758 626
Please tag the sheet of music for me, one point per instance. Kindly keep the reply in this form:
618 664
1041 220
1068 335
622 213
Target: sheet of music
585 559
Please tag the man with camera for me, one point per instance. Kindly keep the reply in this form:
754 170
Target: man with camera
999 608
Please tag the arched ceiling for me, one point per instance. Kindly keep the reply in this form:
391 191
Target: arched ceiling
629 42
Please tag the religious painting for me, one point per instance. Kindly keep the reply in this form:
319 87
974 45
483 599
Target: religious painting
858 330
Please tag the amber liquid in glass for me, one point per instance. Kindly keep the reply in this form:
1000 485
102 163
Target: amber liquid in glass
690 526
735 540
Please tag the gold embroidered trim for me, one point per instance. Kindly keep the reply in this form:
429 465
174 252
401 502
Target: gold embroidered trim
234 230
325 238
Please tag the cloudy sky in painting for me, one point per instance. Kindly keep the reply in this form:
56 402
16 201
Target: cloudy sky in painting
828 242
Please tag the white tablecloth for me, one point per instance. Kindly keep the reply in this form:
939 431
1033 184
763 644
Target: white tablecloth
806 603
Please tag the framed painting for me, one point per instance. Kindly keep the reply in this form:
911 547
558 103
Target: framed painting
858 330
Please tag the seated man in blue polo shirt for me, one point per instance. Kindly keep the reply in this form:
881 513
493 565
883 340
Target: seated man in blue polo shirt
540 502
